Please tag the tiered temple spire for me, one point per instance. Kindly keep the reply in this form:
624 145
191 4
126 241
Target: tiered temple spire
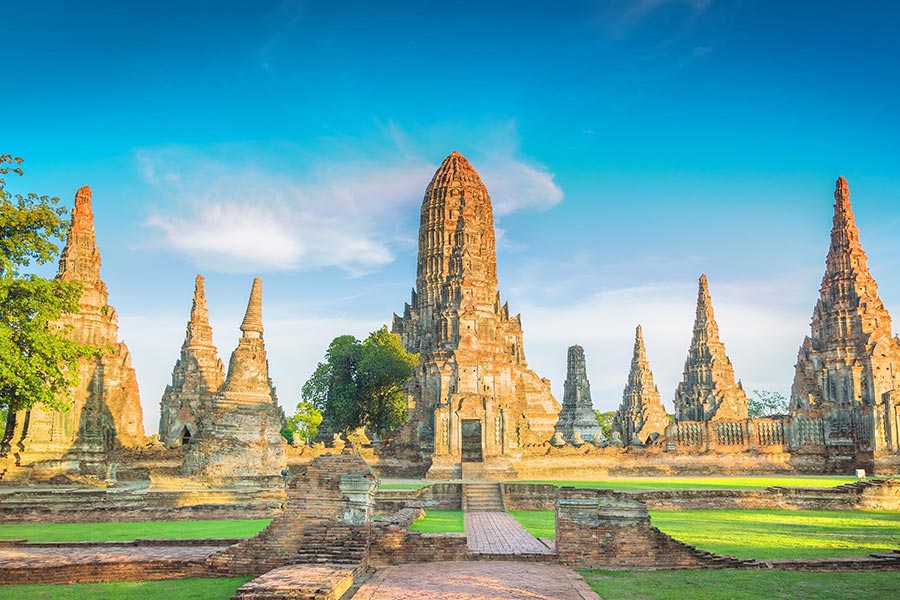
641 416
197 376
473 384
851 356
240 437
708 390
577 415
106 407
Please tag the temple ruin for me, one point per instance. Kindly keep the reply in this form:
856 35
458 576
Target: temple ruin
641 418
105 413
577 421
708 391
848 368
196 378
239 438
474 400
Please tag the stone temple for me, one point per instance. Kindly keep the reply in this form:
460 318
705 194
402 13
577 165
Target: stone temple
196 378
474 401
239 437
848 368
641 417
708 391
106 410
577 420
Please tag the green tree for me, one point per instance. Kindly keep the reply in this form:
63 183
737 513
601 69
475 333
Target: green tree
766 404
605 419
361 384
38 364
304 423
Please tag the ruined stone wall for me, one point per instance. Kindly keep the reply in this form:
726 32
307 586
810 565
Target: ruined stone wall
597 529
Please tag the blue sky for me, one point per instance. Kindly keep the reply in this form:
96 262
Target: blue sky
629 146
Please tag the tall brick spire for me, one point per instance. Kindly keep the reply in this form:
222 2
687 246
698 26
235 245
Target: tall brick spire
708 390
252 325
197 376
248 369
851 356
641 413
473 387
105 411
577 413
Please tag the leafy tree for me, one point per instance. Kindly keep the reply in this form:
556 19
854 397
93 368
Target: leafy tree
766 404
605 419
38 364
362 383
305 423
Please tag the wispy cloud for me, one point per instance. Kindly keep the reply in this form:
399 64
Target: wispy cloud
226 212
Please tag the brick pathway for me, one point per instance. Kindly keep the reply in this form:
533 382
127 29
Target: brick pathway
500 533
488 580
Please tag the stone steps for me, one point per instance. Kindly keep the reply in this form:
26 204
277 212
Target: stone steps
483 497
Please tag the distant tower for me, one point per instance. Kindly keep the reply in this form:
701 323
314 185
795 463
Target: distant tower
474 398
106 408
577 408
240 437
851 358
197 376
641 414
708 391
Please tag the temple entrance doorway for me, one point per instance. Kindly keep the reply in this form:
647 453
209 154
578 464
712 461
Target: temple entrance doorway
185 437
471 440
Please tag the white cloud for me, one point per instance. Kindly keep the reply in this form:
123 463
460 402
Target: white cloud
228 214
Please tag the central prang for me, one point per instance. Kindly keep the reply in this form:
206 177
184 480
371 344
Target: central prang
474 399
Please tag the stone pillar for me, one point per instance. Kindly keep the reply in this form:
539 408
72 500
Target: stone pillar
359 488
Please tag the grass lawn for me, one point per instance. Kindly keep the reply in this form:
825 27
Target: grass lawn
440 521
403 486
112 532
765 534
184 589
541 523
700 483
741 585
784 533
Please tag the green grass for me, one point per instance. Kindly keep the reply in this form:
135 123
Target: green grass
403 486
440 521
184 589
741 585
111 532
784 533
540 523
765 534
700 483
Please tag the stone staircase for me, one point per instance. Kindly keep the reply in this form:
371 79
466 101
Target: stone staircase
482 497
334 544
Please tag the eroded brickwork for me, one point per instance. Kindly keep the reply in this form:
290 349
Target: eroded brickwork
106 406
473 372
708 390
197 376
641 417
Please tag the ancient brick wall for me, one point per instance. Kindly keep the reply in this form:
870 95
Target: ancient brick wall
608 530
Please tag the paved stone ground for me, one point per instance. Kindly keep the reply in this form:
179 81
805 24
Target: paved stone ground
44 557
480 580
500 533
